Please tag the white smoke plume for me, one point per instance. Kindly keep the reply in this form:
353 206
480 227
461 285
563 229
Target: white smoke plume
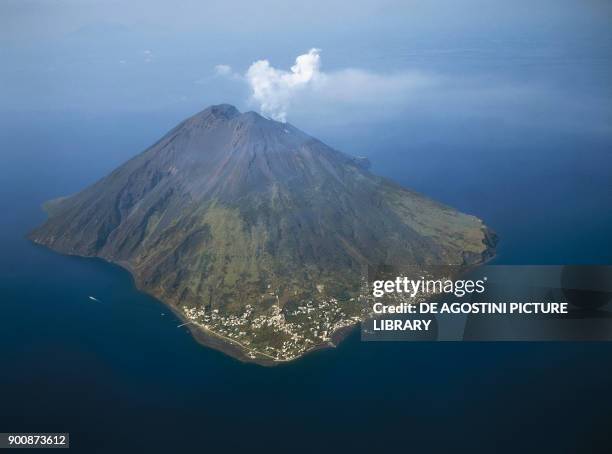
273 89
306 88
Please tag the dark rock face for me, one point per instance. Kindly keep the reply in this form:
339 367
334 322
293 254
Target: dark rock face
229 207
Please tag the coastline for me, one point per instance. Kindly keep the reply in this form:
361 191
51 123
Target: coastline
203 336
234 349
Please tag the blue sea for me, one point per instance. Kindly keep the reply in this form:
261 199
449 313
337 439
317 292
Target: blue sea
119 376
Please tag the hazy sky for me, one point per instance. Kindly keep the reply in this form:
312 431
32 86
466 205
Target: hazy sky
545 63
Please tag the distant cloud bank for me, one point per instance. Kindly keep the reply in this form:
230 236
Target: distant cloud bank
307 93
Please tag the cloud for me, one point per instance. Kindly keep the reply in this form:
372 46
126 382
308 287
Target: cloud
223 70
305 85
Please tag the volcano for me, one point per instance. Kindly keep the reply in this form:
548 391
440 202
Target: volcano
255 232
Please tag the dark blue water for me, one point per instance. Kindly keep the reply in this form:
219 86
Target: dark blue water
119 376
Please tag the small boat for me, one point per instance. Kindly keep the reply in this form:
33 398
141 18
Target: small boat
95 299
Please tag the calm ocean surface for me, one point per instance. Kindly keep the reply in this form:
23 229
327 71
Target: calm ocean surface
119 376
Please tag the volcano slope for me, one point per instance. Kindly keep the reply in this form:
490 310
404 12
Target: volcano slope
255 232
